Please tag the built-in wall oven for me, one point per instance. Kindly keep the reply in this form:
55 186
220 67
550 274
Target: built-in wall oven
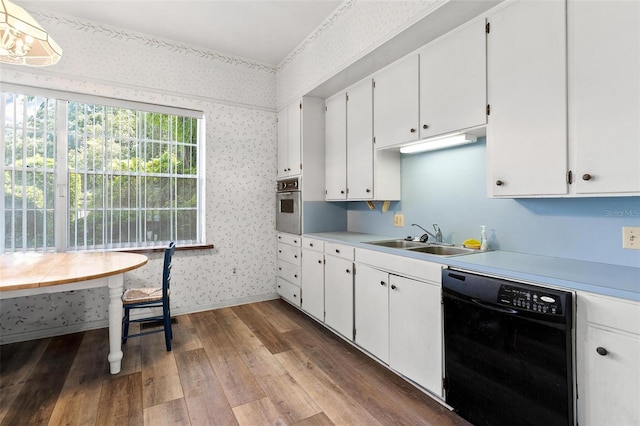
289 206
508 351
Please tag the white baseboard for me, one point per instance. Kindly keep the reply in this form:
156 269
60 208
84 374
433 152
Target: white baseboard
92 325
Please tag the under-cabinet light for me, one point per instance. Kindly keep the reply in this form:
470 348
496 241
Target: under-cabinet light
439 143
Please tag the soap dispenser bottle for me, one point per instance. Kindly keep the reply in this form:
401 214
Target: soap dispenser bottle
484 246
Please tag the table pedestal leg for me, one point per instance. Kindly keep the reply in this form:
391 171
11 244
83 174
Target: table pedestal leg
115 322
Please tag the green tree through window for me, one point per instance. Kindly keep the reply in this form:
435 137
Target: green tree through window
132 175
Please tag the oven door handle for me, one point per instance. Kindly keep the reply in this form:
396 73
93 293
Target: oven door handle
493 307
285 193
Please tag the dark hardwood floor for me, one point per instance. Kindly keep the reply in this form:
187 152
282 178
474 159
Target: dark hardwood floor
258 364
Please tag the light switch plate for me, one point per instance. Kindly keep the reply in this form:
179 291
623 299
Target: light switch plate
631 237
398 220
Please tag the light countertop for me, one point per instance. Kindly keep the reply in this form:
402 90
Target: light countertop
600 278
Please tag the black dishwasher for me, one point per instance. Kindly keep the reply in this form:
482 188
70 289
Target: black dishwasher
508 350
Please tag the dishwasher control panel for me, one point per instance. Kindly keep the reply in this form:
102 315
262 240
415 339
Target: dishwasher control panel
530 300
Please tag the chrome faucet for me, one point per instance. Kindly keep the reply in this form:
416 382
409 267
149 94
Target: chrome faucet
437 236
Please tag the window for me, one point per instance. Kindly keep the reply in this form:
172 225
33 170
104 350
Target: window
99 174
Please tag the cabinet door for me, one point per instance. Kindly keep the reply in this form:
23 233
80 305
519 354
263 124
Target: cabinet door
338 295
283 143
613 379
294 132
453 83
372 311
395 106
313 283
604 95
336 148
415 331
360 141
526 72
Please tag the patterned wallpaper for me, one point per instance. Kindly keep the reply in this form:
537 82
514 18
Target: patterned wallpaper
238 98
353 30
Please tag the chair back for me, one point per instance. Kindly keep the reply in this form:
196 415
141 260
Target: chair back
166 270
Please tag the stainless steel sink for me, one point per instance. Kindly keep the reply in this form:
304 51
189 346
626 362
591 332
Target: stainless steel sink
400 244
443 250
436 249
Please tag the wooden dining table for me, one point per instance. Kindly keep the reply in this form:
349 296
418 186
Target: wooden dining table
27 274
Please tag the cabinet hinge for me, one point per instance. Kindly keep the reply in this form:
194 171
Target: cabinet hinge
347 97
300 166
354 334
325 108
569 177
374 140
373 83
487 28
300 105
325 192
488 109
354 269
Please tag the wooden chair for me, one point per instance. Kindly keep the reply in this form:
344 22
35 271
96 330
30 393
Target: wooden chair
148 297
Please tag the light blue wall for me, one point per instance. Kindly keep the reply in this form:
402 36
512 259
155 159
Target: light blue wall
448 187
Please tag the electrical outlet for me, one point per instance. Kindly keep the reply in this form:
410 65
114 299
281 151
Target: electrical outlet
631 237
398 220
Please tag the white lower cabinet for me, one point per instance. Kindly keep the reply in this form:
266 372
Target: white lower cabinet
338 294
313 283
398 319
372 311
415 331
608 361
289 271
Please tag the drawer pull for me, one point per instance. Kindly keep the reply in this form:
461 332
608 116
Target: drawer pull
337 251
586 176
602 351
382 283
295 275
393 287
310 244
319 261
499 183
348 271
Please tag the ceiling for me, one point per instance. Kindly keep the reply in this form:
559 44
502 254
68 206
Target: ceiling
261 30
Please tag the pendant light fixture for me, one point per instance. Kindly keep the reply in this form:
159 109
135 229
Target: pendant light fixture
22 40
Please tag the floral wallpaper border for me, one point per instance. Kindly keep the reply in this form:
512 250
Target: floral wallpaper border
176 47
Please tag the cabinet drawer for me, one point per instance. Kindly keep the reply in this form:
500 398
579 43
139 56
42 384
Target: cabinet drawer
289 254
289 272
611 312
312 244
291 239
420 269
339 250
289 292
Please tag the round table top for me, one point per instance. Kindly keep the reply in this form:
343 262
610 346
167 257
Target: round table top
32 270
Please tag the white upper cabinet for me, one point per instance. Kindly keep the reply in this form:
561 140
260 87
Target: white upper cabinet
360 141
453 83
604 96
336 147
354 169
526 72
289 140
396 103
